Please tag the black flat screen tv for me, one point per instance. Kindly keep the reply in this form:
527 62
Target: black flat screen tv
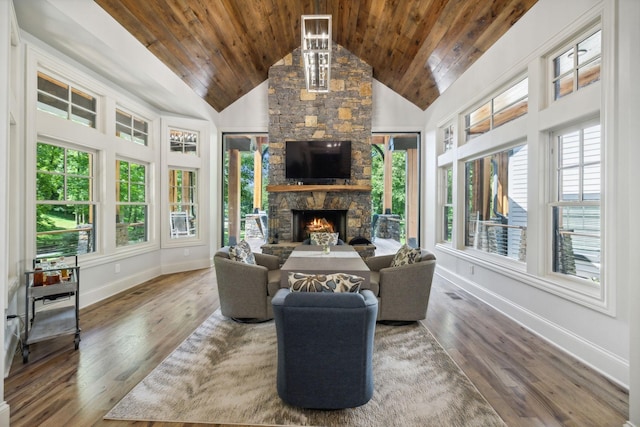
317 161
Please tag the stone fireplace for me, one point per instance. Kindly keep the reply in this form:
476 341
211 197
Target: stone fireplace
305 222
344 113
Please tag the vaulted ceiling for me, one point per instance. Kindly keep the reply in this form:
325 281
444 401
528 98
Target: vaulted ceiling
223 48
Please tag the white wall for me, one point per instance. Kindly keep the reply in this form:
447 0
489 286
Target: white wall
391 112
6 21
628 112
249 113
596 333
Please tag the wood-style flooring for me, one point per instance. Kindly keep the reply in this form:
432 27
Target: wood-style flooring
528 382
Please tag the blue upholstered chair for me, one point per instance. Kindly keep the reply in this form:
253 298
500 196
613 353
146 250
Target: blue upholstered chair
325 348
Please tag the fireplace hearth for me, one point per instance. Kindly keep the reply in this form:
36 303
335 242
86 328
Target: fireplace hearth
305 222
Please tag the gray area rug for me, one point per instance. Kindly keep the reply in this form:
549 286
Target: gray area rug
225 373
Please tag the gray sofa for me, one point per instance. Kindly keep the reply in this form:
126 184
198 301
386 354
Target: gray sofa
246 290
325 348
403 292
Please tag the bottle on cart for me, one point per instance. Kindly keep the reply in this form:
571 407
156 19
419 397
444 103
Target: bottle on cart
38 275
64 269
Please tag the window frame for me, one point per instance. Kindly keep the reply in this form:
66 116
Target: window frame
131 126
174 131
70 89
194 205
145 203
576 283
489 103
448 137
447 189
572 44
519 263
93 203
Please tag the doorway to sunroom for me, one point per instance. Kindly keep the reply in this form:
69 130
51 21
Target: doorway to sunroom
395 189
245 175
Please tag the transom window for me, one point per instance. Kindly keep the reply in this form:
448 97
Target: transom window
184 141
183 206
576 207
65 101
577 66
131 128
447 139
65 207
506 106
131 204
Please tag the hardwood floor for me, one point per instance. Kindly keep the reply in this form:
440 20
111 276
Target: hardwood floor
528 382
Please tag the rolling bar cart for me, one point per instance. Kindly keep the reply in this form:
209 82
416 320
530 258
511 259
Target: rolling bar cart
49 285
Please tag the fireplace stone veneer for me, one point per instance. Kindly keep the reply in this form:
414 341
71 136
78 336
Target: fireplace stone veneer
354 205
343 113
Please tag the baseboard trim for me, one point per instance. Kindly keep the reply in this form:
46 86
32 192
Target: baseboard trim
96 295
5 415
178 267
11 333
606 363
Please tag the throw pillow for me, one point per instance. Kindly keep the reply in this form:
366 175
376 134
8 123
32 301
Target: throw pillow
324 239
406 255
242 252
334 282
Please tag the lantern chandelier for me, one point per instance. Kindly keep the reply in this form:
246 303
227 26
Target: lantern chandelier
316 51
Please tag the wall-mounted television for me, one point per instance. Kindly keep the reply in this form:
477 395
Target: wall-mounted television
317 161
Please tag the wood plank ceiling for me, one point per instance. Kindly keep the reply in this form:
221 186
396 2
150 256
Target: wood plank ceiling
224 48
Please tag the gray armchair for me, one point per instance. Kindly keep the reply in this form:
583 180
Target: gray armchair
403 292
246 290
325 348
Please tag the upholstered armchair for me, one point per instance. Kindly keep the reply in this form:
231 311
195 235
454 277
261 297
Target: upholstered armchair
246 290
403 292
325 347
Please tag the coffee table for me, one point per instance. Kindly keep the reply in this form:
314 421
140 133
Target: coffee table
310 259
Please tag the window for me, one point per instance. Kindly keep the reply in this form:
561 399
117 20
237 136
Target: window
575 209
131 128
447 209
65 101
447 139
577 66
65 207
183 141
183 205
507 106
131 203
496 203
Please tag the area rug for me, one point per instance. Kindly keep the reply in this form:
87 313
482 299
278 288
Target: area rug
225 373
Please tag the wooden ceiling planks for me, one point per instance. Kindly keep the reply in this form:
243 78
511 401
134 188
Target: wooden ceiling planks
224 48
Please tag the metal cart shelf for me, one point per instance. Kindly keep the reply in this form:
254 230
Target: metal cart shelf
42 323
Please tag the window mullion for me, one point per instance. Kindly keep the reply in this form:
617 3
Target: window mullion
581 165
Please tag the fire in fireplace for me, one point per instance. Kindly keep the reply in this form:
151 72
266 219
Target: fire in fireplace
326 220
320 225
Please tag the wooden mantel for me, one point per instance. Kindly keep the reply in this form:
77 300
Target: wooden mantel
318 187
